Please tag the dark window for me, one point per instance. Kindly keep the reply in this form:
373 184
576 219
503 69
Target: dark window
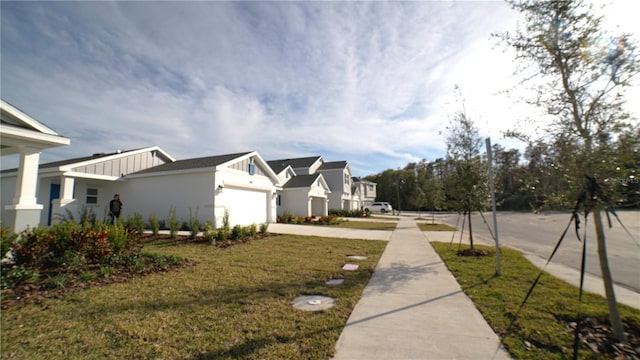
252 169
92 196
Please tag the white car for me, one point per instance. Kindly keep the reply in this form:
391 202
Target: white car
382 207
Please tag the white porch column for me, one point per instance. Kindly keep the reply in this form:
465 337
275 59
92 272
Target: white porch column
25 212
66 200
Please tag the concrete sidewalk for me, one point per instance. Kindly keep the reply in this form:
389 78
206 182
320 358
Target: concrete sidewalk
413 308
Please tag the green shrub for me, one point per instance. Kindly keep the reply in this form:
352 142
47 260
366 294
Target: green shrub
117 237
329 220
72 260
209 233
136 221
87 276
263 228
349 213
172 222
237 232
154 224
59 280
286 218
14 275
194 223
221 235
107 270
252 230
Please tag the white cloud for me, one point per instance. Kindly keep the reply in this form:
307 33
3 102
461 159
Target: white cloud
367 82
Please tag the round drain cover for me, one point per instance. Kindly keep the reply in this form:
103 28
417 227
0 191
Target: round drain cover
313 302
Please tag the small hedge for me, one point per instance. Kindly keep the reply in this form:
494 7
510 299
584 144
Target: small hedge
349 213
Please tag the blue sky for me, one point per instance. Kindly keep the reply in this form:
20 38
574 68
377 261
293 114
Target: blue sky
367 82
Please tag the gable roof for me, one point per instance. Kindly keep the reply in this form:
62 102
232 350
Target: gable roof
18 130
303 162
305 181
65 165
332 165
277 165
299 181
195 163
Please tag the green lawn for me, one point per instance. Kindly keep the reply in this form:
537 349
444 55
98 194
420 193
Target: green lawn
235 303
540 331
435 227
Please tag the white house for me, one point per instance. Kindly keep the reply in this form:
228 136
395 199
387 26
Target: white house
363 192
241 185
336 174
23 135
86 183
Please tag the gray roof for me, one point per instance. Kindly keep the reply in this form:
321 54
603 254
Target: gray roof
277 165
300 181
333 165
195 163
304 162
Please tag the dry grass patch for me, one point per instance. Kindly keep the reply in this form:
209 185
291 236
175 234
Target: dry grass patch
367 225
234 303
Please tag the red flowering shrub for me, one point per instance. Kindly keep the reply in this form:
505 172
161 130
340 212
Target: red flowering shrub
32 248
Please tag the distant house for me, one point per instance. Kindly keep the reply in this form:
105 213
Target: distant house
336 174
23 135
364 191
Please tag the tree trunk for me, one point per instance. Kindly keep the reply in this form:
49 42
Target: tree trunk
614 314
470 230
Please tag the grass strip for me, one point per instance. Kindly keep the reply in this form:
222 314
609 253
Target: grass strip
541 329
366 225
234 303
435 227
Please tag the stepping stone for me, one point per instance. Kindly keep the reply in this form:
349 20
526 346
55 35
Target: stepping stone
350 267
313 302
335 282
356 257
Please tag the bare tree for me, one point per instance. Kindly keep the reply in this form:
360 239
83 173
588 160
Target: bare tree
580 74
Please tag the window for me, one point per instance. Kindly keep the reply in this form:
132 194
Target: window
346 179
278 200
252 169
92 196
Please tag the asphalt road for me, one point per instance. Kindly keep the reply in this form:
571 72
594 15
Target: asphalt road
539 233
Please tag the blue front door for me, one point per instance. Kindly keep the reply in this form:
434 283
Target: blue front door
54 193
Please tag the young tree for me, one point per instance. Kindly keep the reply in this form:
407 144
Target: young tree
583 73
467 186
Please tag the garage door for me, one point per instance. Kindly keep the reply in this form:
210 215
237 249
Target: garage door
246 207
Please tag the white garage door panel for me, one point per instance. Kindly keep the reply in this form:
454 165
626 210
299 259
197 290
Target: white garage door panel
246 207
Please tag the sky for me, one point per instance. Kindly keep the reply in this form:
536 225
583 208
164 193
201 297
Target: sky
367 82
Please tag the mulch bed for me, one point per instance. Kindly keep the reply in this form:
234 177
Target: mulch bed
595 334
35 293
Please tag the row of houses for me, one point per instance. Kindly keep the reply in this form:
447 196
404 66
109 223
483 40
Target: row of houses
242 186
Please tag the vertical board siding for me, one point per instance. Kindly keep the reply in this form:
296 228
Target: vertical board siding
122 166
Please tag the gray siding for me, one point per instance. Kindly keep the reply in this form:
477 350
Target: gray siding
123 166
244 166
